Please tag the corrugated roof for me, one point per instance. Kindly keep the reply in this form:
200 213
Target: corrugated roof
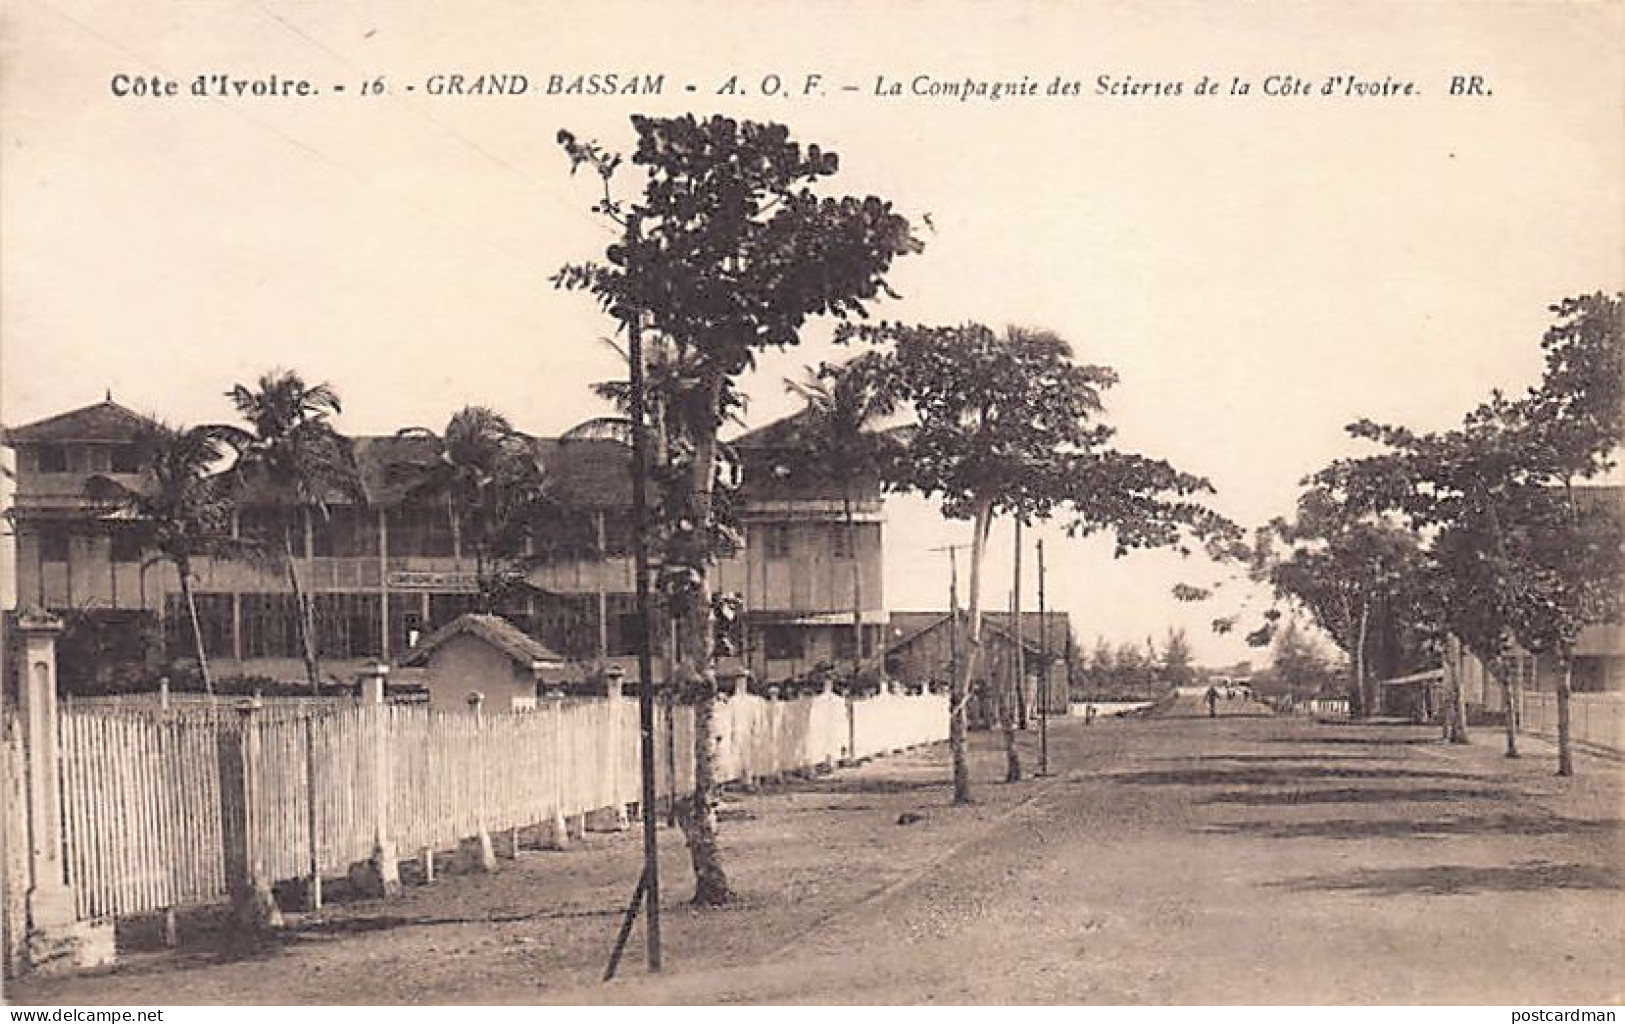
494 630
594 473
104 421
906 627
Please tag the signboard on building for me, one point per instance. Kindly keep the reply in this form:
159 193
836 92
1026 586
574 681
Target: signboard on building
455 582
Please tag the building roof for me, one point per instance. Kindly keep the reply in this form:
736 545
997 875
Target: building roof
908 627
104 421
519 646
591 472
781 433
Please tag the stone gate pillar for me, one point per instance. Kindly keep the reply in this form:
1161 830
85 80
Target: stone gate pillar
380 874
56 940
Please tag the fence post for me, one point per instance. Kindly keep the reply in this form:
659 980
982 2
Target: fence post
557 835
56 940
475 853
380 874
827 692
253 908
172 927
612 818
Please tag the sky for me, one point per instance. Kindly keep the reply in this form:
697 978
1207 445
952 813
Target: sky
1259 269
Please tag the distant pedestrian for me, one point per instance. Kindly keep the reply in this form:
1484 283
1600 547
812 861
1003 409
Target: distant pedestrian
1212 702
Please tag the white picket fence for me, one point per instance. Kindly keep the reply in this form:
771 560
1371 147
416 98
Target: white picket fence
1594 718
142 792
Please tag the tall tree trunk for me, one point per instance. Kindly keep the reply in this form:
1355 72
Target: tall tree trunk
183 569
1351 643
1010 702
1361 684
857 583
696 651
1510 709
1565 688
960 690
1021 648
1458 715
1454 717
307 642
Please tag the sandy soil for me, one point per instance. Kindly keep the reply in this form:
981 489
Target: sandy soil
1250 859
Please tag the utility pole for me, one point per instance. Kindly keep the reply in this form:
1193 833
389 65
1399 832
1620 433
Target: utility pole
647 891
953 607
1021 652
1043 667
646 699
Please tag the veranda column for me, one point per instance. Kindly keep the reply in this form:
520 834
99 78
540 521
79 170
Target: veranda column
56 941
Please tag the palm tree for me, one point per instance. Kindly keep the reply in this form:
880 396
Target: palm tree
843 405
291 454
182 508
493 484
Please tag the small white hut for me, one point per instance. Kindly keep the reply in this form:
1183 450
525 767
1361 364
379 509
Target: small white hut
488 655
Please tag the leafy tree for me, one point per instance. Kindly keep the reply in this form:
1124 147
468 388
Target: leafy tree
844 405
1136 671
181 508
1517 557
1177 663
1008 424
1349 566
727 251
291 456
1298 664
1102 666
494 486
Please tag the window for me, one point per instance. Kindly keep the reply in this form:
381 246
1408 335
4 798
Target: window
126 547
626 636
53 546
842 543
405 623
563 535
270 626
269 524
843 643
346 531
126 458
213 620
784 643
617 534
443 608
52 458
568 623
420 531
776 541
347 625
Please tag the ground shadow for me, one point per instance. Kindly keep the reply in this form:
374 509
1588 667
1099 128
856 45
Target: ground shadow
878 786
1351 795
1365 740
1218 776
1264 758
1454 880
210 940
389 922
1410 828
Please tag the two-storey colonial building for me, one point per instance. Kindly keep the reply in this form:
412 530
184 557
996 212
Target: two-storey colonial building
387 570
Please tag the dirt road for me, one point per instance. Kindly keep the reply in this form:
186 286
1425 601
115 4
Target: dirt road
1247 859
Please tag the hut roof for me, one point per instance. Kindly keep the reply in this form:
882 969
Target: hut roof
492 629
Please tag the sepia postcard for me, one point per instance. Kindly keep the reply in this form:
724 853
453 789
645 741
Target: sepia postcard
926 503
